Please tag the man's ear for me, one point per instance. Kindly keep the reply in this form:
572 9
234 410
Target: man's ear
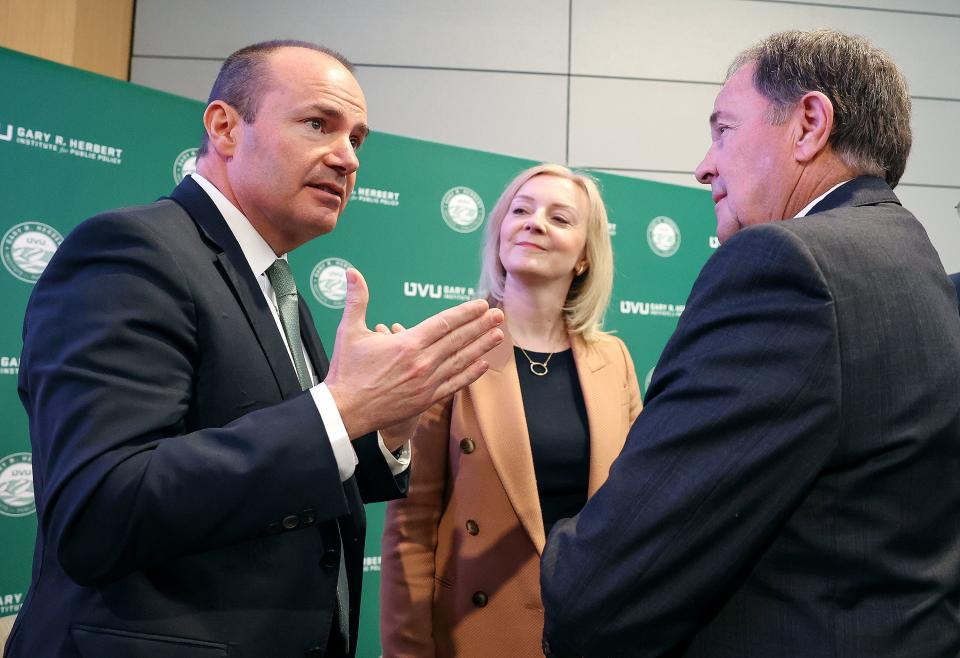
815 123
221 122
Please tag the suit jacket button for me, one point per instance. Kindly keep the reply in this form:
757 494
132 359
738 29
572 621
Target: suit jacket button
307 517
468 446
331 558
473 528
290 522
479 599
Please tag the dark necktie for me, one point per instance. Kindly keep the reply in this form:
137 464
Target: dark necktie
281 278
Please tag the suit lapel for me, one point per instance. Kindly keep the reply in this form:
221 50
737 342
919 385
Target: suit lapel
238 276
499 407
602 401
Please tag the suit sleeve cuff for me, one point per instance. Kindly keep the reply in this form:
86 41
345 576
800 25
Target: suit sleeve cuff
343 450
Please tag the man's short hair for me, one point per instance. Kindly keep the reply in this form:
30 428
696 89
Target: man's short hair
244 76
871 105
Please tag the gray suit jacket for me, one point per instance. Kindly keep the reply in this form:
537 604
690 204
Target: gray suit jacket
792 487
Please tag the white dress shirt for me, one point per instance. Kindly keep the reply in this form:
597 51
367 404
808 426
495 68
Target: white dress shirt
809 206
260 256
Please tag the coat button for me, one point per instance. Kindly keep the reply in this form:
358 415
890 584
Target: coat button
479 599
307 517
290 522
468 446
331 558
473 528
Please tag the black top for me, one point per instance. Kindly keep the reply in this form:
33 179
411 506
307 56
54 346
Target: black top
559 433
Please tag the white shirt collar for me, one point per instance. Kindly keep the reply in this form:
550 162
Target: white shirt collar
255 249
809 206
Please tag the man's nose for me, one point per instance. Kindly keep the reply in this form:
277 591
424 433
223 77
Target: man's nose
342 157
706 170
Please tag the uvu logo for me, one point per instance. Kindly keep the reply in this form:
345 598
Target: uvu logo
417 289
634 308
6 135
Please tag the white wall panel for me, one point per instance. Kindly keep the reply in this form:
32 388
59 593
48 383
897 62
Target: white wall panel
936 144
639 124
186 77
494 34
509 113
697 39
947 7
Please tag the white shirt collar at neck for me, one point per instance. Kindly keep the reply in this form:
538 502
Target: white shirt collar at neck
255 249
809 206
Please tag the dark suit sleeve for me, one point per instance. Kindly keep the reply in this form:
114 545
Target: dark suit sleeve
741 416
112 344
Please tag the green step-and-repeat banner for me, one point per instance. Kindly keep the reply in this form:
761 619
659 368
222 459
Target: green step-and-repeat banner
73 144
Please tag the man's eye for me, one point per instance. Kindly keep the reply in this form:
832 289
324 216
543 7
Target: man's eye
316 124
356 143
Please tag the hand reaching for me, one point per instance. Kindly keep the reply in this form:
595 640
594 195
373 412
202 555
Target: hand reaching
379 378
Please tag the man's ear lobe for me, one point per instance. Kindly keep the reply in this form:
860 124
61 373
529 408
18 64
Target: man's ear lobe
221 122
816 124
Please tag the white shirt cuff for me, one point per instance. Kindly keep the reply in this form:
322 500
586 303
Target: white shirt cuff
397 464
343 450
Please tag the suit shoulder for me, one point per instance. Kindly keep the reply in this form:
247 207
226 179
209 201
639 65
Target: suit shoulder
164 215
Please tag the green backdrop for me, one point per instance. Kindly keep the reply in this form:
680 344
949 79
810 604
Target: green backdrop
73 144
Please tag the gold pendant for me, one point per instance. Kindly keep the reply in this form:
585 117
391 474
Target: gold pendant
539 369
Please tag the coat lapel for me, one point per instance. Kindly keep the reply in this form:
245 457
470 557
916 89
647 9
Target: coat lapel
503 425
603 402
241 280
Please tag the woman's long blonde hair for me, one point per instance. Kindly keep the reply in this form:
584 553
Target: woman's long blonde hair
589 293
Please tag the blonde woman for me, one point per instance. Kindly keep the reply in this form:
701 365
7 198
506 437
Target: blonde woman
498 463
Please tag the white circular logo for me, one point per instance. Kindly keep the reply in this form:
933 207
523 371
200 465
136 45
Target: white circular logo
184 165
27 248
462 209
663 236
328 281
16 485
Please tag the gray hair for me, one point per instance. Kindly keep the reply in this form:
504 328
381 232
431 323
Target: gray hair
243 77
871 105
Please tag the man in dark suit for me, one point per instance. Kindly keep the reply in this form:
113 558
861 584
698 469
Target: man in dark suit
791 487
199 490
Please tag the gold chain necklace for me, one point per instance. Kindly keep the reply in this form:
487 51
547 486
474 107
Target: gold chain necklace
537 367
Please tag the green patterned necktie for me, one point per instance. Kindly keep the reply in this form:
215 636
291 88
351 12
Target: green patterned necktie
281 278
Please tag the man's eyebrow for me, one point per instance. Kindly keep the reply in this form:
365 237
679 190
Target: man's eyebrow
717 115
334 113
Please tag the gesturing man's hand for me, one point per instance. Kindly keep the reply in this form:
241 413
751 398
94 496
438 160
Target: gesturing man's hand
379 379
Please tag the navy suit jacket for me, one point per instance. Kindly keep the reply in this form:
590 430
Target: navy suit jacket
955 278
187 494
791 487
